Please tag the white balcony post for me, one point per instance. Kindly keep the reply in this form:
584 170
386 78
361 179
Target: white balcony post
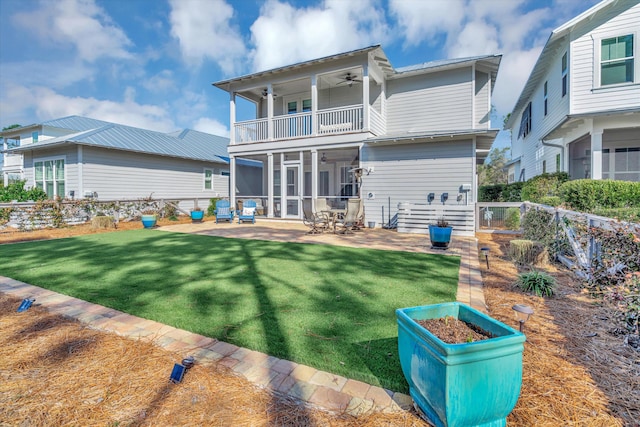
232 117
270 112
596 154
270 185
314 104
232 182
314 178
365 97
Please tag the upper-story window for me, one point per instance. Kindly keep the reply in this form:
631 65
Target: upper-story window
616 60
565 72
525 122
34 136
12 142
545 98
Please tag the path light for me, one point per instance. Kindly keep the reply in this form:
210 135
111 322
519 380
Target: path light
485 252
523 312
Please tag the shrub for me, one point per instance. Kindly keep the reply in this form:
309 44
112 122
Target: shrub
16 191
544 185
551 201
587 195
212 206
528 252
621 214
512 219
500 192
625 299
536 282
537 225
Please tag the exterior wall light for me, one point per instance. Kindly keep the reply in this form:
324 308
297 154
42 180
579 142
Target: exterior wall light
523 312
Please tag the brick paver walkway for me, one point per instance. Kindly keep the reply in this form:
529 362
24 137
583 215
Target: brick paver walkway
323 389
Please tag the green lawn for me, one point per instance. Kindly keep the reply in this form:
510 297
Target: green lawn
325 306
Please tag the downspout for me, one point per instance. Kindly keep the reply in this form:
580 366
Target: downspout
561 147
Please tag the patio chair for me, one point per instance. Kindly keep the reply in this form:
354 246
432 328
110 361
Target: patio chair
317 222
248 212
350 218
223 211
360 217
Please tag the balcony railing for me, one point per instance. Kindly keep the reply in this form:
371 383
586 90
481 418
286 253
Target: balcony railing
329 122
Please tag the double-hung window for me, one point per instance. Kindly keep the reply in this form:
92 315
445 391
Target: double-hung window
208 179
616 60
49 176
525 122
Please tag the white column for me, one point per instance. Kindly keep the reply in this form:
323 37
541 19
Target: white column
314 178
232 182
314 104
270 185
270 112
365 97
232 117
596 154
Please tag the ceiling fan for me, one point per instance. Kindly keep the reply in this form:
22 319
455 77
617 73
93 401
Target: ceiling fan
349 79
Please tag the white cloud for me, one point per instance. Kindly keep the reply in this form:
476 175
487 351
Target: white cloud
204 31
211 126
421 20
161 82
476 38
514 72
80 23
44 103
285 35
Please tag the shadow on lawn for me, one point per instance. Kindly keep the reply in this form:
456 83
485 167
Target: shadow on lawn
170 277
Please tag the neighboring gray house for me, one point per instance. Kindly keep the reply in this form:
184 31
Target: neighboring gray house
78 157
410 131
579 111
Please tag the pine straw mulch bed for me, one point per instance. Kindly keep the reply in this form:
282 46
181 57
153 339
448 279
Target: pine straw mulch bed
55 371
576 373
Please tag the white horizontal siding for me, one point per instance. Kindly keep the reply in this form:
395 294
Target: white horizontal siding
481 101
122 175
587 95
438 101
409 172
416 218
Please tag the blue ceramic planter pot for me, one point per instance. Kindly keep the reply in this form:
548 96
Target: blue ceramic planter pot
149 221
469 384
197 215
440 236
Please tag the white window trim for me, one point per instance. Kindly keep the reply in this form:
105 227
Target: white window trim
204 179
564 73
597 50
46 159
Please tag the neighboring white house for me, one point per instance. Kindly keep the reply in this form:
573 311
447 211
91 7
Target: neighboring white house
410 131
579 111
78 157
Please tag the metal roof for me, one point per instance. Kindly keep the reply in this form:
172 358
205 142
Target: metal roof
187 144
446 63
78 123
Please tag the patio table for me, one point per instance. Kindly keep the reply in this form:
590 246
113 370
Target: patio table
334 214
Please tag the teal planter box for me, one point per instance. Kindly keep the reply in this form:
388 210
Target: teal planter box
149 221
469 384
197 215
440 236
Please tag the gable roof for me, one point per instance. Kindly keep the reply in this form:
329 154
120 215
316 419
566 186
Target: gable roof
378 55
187 144
558 36
77 123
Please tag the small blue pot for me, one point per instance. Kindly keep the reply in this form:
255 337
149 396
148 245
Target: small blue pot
149 221
440 236
197 215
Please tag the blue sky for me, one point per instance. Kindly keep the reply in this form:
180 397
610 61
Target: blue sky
150 63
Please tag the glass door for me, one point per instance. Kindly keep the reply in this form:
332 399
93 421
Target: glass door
292 197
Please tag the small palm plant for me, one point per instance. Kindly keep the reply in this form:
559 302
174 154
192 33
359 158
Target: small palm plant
536 282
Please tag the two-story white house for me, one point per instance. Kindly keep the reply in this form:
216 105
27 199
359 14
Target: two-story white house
579 111
409 132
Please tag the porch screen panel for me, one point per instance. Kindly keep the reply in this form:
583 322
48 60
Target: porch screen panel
605 164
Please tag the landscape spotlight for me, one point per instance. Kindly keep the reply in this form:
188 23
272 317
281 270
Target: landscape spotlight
485 252
523 312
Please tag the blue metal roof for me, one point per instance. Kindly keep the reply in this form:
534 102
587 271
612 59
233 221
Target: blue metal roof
187 144
442 63
78 123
